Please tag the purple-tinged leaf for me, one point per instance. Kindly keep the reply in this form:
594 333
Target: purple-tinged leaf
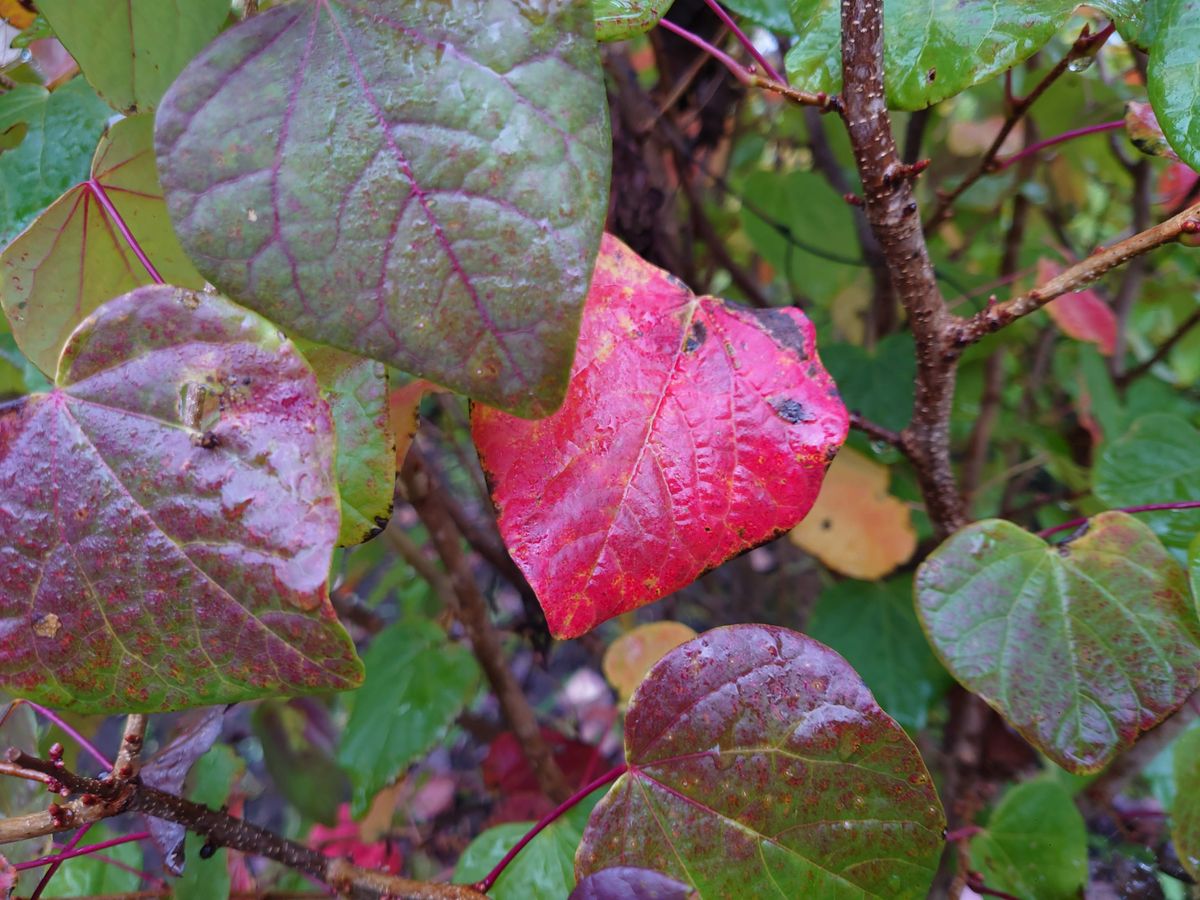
760 764
1080 646
630 883
423 183
169 515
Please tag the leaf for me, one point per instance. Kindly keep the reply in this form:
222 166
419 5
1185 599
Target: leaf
90 876
933 49
1080 314
1034 845
874 627
1185 811
346 839
633 654
1194 569
61 132
618 20
131 52
759 764
876 384
770 14
404 408
507 773
421 184
20 14
74 256
1156 461
298 745
357 391
1080 646
1144 132
629 883
186 438
418 682
856 527
213 778
693 429
1173 77
543 870
168 768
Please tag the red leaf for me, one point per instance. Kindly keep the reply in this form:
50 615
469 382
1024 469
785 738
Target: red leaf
693 429
1081 315
1175 185
345 840
507 772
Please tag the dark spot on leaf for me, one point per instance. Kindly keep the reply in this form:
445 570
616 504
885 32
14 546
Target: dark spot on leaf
698 336
826 524
783 330
208 441
931 74
208 850
791 411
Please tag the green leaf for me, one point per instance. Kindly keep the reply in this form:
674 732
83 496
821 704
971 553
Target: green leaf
872 624
357 391
169 515
1081 646
1185 810
759 765
543 870
1034 845
876 384
933 49
1173 78
74 258
417 683
770 14
618 20
87 876
132 51
212 778
61 132
1156 461
420 183
1194 569
303 769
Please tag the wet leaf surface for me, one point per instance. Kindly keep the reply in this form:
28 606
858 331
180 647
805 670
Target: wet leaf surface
186 438
629 883
132 51
619 20
368 205
693 429
760 764
1173 77
74 257
1080 646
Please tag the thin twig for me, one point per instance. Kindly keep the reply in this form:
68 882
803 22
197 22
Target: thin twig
1161 353
876 432
748 44
1034 149
1145 507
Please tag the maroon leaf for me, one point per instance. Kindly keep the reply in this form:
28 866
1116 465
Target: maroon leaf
759 764
693 430
169 515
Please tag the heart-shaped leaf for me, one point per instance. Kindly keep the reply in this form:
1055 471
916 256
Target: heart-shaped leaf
1080 646
693 429
1173 77
187 440
759 764
76 255
420 183
131 52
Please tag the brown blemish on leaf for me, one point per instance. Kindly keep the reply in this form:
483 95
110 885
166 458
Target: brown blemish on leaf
783 330
47 626
696 337
190 299
791 411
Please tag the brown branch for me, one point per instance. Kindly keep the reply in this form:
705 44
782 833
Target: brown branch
102 798
1085 45
130 752
876 432
470 608
892 212
999 315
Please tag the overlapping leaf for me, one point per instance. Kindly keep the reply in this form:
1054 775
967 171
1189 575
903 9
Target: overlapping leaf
185 439
633 654
617 20
760 765
1081 315
1080 646
1173 77
630 883
131 52
1185 810
420 183
60 133
693 429
76 256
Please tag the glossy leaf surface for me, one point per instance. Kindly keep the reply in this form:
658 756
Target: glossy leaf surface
629 883
1185 811
187 439
874 627
1080 646
618 20
357 391
856 527
1173 77
131 52
74 256
420 183
933 49
760 764
693 429
633 654
417 683
1034 845
1157 460
61 130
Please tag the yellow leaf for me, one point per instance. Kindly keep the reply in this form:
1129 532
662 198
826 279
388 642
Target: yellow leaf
856 527
632 655
18 13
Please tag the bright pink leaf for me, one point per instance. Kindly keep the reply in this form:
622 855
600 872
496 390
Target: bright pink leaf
693 429
1082 314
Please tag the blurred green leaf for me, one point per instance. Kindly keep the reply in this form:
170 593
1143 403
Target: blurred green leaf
211 779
